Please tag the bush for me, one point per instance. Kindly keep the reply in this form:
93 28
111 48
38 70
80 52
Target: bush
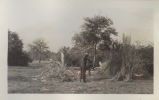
71 58
147 57
25 59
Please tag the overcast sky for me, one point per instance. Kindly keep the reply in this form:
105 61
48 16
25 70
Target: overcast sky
57 21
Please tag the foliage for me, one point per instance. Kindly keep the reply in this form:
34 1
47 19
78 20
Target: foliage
127 60
16 55
147 57
96 30
71 56
39 50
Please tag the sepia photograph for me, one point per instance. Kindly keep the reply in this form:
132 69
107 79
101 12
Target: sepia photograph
80 47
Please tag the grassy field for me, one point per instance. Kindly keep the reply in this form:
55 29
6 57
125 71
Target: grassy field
20 80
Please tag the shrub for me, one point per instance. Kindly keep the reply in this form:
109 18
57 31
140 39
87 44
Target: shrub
147 57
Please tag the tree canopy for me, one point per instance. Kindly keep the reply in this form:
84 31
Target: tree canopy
95 31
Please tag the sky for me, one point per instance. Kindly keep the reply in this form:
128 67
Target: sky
56 21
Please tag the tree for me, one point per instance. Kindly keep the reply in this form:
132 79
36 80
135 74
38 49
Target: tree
95 31
16 55
39 49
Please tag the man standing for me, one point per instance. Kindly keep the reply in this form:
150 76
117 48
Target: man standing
84 68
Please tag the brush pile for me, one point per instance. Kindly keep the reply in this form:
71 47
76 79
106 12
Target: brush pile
56 70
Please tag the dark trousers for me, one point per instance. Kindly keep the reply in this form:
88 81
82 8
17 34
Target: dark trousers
83 75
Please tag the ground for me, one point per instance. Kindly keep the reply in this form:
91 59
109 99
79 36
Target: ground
20 80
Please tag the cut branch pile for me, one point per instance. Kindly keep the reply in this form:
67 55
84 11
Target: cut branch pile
56 70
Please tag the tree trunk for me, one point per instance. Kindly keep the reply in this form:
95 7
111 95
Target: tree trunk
40 55
39 58
94 58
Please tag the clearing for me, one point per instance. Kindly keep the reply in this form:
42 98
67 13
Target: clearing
20 80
